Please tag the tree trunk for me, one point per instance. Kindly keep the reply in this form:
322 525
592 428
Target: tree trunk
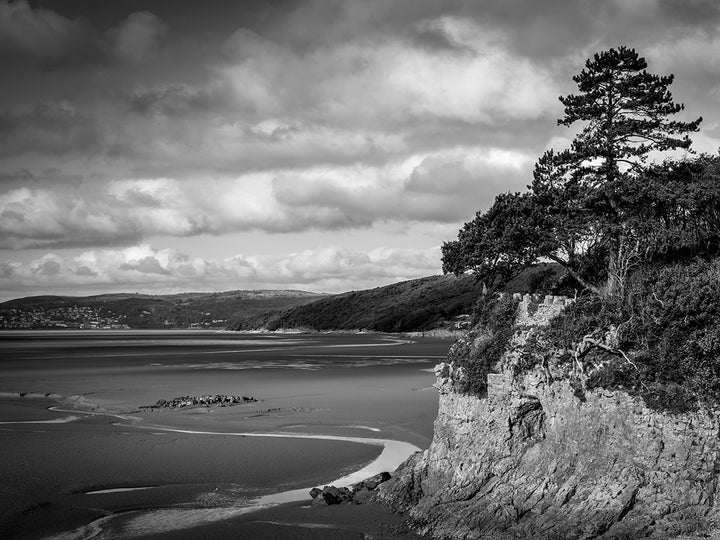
615 283
589 286
623 258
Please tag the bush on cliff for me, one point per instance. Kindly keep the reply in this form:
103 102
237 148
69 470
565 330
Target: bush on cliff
668 329
480 351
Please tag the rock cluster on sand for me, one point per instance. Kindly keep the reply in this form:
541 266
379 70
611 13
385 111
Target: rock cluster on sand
330 495
215 400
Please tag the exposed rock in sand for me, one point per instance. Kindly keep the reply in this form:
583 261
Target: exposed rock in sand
330 495
215 400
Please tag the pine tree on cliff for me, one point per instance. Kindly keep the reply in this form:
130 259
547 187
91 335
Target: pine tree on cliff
626 111
581 210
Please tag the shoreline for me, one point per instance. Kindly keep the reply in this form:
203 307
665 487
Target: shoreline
165 520
154 517
438 333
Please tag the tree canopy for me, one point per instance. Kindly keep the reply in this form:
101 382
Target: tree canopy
598 208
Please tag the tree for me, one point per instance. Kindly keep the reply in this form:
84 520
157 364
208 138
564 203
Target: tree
582 210
626 110
495 245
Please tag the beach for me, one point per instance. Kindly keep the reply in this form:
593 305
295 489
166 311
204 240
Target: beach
85 461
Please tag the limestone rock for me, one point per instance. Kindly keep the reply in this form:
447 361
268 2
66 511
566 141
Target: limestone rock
359 493
330 495
372 482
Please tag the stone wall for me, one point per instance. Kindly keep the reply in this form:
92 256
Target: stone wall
535 310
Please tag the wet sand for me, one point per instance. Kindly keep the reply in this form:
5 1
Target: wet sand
297 521
55 456
47 470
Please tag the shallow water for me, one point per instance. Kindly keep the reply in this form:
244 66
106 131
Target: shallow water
345 388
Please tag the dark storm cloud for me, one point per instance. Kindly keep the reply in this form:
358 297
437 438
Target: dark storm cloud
40 36
53 128
137 37
44 36
177 100
691 13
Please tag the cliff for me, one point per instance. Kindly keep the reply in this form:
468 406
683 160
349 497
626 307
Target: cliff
532 460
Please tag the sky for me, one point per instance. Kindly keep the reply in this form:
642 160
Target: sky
162 146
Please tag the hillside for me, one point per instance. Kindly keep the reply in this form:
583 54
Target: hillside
184 310
415 305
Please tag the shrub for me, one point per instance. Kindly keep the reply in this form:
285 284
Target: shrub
669 323
480 352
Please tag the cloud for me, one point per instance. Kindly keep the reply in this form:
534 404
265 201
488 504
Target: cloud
443 187
265 104
695 59
143 267
42 34
146 265
49 128
84 271
48 268
389 79
284 95
138 36
176 100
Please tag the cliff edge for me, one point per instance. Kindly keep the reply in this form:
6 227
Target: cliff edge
530 459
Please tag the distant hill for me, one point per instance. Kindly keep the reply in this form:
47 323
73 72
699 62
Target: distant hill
184 310
415 305
435 302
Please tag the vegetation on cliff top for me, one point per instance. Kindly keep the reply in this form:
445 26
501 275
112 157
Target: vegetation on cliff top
640 238
479 352
665 334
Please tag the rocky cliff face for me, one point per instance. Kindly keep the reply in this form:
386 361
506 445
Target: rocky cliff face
531 460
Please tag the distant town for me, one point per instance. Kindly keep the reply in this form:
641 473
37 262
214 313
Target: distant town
63 317
84 317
